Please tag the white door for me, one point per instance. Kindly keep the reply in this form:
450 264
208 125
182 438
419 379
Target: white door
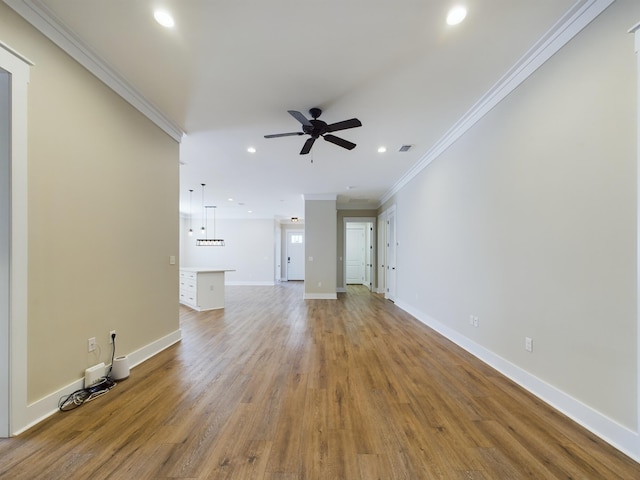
5 222
382 253
391 255
295 255
369 256
355 256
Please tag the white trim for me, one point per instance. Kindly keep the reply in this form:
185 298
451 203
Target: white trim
15 53
47 406
636 31
320 296
42 19
374 256
571 23
19 70
622 438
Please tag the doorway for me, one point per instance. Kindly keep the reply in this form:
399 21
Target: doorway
355 254
390 292
295 255
387 246
5 252
14 73
359 254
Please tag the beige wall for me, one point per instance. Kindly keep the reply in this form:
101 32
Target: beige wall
102 217
529 222
320 244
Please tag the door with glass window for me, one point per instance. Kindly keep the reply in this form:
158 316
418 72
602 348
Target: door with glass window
295 255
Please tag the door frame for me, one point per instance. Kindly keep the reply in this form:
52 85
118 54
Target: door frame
361 228
286 250
372 269
387 258
14 374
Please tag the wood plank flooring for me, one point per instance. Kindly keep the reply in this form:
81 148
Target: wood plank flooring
275 387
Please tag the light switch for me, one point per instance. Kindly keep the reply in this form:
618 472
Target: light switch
172 260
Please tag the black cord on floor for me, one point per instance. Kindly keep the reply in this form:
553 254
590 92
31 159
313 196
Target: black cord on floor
83 395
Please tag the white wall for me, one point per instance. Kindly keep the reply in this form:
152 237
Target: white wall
529 223
249 249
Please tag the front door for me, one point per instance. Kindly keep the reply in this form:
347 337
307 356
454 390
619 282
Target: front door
295 255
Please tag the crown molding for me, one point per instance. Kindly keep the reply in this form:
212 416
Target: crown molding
34 12
567 27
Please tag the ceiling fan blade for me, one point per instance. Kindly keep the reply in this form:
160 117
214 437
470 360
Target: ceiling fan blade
276 135
306 148
300 117
351 123
341 142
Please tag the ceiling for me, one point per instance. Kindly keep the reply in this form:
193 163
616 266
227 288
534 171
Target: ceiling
228 71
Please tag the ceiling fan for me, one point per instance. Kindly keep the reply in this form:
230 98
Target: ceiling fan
317 128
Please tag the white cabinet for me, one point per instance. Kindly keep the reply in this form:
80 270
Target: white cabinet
202 289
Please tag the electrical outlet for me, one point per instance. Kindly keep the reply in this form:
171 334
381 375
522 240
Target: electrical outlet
111 334
528 344
91 344
474 321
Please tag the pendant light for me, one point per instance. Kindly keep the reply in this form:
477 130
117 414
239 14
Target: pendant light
191 212
205 241
203 230
210 242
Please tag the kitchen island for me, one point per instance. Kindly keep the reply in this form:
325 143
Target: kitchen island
202 288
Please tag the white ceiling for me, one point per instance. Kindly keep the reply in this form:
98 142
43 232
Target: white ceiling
228 71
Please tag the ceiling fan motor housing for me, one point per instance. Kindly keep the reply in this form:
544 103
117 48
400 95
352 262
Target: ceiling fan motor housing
315 112
317 128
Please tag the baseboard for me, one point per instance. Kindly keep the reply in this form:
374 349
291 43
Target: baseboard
320 296
341 290
620 437
267 283
47 406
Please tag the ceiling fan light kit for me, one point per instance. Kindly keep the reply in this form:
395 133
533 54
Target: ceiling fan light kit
317 128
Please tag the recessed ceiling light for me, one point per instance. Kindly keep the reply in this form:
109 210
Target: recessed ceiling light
456 15
382 149
164 18
251 150
230 199
249 211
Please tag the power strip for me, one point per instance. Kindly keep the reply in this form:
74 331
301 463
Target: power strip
93 374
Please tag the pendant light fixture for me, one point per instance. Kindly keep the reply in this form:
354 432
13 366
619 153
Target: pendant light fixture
203 230
191 212
204 240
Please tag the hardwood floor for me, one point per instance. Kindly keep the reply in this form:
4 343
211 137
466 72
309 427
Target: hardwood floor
275 387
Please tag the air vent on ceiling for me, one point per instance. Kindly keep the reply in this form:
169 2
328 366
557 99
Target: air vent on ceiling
405 148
